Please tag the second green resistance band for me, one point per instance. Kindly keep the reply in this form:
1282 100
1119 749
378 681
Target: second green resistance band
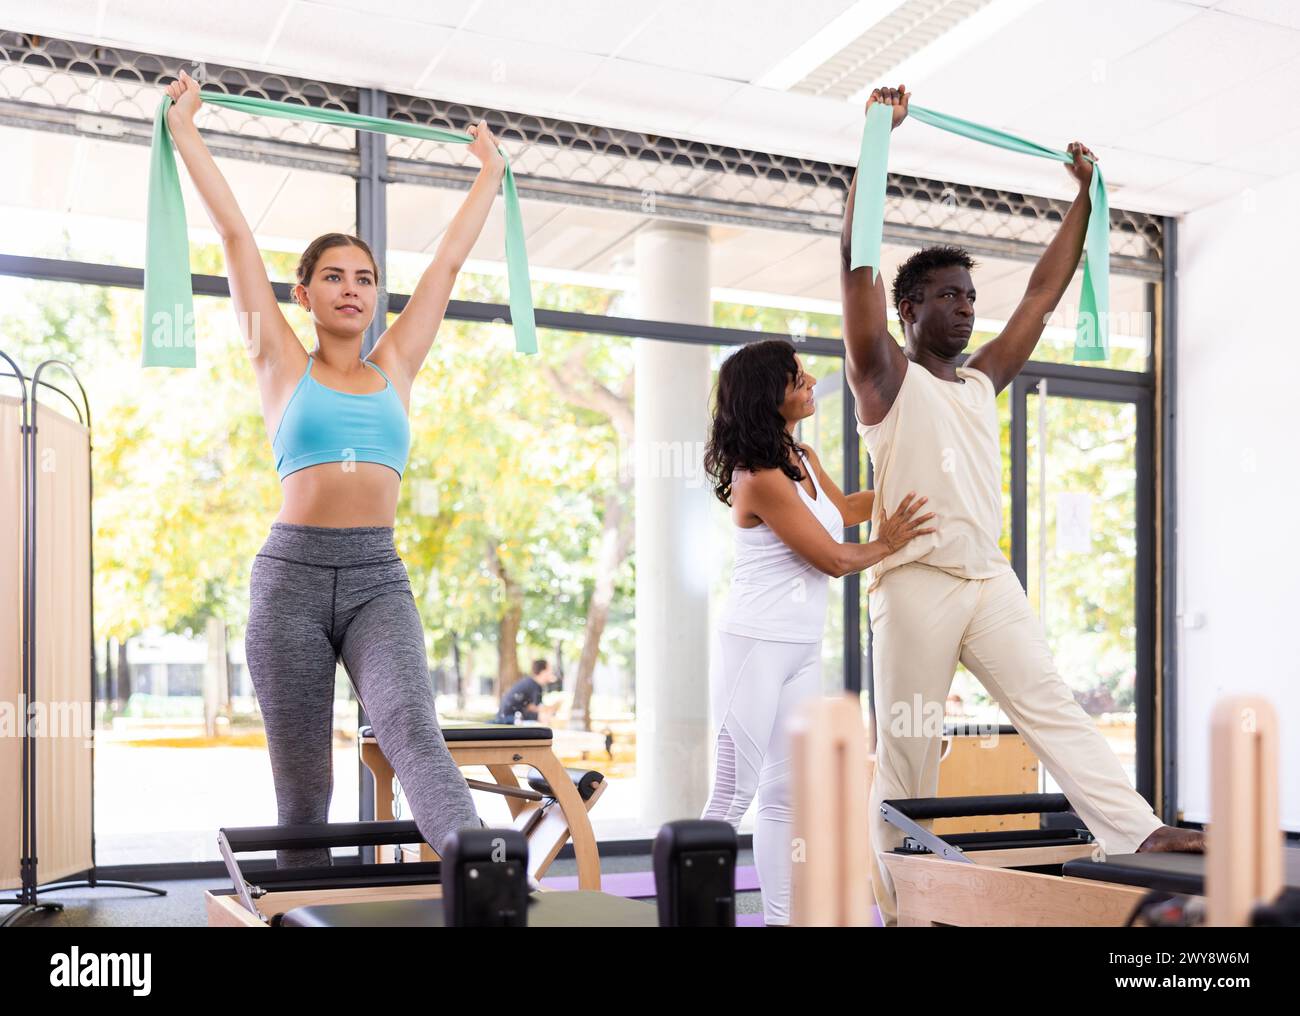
869 213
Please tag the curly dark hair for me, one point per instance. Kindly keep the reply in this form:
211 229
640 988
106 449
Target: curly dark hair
748 430
914 273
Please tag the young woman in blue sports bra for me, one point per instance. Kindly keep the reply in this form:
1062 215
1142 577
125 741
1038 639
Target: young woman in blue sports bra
328 584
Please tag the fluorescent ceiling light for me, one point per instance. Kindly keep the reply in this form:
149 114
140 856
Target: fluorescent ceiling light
826 43
953 44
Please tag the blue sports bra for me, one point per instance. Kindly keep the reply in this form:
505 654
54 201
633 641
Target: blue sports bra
321 424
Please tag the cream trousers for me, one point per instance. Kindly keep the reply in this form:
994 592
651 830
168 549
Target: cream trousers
923 621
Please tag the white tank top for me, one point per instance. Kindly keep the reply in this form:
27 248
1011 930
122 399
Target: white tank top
941 440
775 594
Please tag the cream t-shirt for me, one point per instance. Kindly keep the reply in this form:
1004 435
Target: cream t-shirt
941 440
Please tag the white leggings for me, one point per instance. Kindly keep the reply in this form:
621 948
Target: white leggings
755 687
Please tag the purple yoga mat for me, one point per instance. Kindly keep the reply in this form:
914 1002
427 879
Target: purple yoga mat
640 885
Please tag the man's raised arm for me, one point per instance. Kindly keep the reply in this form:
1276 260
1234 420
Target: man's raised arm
873 365
1002 358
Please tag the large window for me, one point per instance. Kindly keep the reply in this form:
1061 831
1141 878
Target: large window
1088 525
515 511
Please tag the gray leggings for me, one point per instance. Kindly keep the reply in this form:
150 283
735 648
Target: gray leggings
318 594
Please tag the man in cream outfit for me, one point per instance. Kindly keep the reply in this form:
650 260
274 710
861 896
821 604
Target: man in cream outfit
932 427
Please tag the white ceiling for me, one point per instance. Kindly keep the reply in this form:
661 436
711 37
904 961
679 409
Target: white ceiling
1187 102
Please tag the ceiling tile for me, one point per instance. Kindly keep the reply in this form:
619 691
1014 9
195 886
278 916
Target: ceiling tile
1243 117
1180 71
1267 156
509 75
641 97
1275 12
448 13
359 49
204 30
580 26
738 44
1209 185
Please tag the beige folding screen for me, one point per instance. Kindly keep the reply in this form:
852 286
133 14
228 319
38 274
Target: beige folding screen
62 704
11 648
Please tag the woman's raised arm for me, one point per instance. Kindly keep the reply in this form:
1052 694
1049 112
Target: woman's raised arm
411 336
266 332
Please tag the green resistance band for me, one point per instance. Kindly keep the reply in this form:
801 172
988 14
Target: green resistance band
168 288
869 213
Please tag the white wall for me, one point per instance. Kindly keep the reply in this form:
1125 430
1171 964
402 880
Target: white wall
1238 432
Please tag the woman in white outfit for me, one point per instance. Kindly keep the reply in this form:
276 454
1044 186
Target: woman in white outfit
790 518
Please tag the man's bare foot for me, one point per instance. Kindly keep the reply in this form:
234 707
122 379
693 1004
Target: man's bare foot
1171 838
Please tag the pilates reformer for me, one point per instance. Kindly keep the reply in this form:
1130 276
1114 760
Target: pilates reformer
1004 848
549 811
1053 876
481 882
1060 877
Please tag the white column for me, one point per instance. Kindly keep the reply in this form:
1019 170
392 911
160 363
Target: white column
672 528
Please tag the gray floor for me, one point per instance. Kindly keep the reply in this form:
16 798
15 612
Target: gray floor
182 907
